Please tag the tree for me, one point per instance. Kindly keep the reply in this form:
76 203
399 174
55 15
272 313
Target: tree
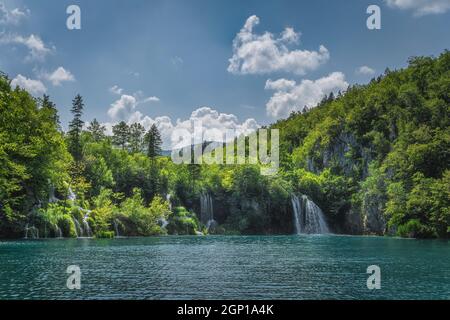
75 128
136 137
121 133
97 130
153 142
33 157
49 107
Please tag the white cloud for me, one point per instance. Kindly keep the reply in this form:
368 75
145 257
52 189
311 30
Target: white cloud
60 75
150 99
290 96
421 7
280 85
365 70
208 117
38 49
116 90
260 54
34 87
12 17
141 98
122 108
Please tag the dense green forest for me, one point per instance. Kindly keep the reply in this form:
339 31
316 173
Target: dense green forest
375 159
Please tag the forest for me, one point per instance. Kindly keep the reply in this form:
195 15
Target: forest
374 159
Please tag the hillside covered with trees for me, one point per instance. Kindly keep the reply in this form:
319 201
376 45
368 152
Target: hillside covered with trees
375 159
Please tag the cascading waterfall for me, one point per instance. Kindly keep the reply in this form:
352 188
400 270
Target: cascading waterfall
87 228
207 210
78 229
308 217
34 232
58 232
168 196
71 195
51 195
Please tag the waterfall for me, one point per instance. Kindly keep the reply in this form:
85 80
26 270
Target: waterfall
58 232
78 229
71 195
296 207
87 228
34 232
168 200
51 195
84 228
163 222
308 217
207 210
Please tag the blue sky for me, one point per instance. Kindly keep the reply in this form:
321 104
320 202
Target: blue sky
168 61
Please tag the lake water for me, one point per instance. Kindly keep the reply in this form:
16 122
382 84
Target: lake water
220 267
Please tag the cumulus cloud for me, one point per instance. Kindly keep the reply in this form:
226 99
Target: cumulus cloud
122 108
60 75
37 48
265 53
206 116
365 71
290 96
12 17
421 7
35 87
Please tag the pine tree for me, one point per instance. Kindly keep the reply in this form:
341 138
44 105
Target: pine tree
121 132
75 128
136 137
97 130
153 142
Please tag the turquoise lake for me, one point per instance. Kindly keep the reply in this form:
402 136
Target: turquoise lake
226 267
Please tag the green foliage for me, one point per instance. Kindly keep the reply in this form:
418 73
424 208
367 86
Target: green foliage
121 134
153 142
415 229
33 156
96 130
105 234
136 137
182 222
380 149
140 220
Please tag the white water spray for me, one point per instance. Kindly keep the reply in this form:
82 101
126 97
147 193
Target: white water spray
308 217
207 210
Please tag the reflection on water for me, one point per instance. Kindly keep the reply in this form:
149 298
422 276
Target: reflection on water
216 267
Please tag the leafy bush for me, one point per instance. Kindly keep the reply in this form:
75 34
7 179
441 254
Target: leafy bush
182 222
